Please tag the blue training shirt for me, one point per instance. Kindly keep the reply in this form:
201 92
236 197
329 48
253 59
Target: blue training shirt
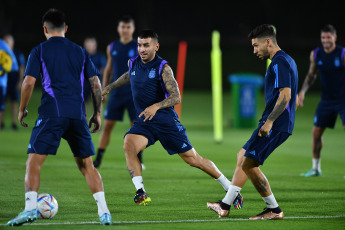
148 87
332 73
281 73
120 54
8 61
62 65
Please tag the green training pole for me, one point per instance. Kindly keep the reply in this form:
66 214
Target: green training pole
268 62
216 69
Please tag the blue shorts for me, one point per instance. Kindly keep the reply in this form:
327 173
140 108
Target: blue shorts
46 136
259 148
116 108
12 91
327 112
3 87
172 135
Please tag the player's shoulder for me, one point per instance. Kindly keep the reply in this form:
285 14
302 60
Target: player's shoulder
282 57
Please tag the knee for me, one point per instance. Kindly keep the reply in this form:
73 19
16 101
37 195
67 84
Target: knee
317 133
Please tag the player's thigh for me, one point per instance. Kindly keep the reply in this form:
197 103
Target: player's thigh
173 138
108 125
134 143
46 135
79 139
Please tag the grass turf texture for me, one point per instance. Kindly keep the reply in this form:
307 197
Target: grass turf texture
179 192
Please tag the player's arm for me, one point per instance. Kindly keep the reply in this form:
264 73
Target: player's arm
121 81
26 92
282 101
171 87
96 92
107 70
309 80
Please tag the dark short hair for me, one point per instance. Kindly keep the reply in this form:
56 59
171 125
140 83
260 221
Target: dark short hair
264 31
148 34
125 19
329 28
55 19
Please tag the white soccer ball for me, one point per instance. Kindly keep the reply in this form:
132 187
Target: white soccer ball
47 206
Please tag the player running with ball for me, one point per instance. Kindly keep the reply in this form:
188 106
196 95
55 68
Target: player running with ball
155 92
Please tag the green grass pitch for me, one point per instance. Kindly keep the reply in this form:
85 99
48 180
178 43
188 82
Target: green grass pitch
179 193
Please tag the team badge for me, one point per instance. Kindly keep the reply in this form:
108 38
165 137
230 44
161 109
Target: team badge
152 73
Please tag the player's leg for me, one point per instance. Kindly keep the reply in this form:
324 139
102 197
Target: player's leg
2 103
31 183
14 113
132 116
260 182
192 158
79 138
233 196
133 144
95 183
317 144
104 140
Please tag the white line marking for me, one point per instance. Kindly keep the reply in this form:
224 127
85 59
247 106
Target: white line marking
183 221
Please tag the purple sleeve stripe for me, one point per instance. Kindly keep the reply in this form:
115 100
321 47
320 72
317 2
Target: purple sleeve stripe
82 84
131 60
315 53
342 56
160 78
111 46
46 82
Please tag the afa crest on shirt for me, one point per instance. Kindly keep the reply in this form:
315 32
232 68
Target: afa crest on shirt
152 73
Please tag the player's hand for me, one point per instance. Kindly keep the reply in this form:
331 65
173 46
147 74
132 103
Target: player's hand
149 112
96 120
104 98
105 91
300 99
21 115
265 130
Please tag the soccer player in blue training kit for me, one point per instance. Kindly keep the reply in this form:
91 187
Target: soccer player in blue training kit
155 92
118 53
98 59
8 63
329 61
274 128
15 79
62 65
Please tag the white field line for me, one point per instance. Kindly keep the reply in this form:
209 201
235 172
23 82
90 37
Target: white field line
182 221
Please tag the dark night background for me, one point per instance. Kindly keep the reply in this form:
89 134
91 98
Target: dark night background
298 28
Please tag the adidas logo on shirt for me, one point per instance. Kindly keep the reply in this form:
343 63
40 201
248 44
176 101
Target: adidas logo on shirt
133 73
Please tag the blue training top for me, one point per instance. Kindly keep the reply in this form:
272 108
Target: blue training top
13 75
332 73
148 87
281 73
8 61
62 65
120 54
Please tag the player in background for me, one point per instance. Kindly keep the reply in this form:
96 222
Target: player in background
62 65
8 63
328 60
98 59
118 53
155 92
15 79
275 126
